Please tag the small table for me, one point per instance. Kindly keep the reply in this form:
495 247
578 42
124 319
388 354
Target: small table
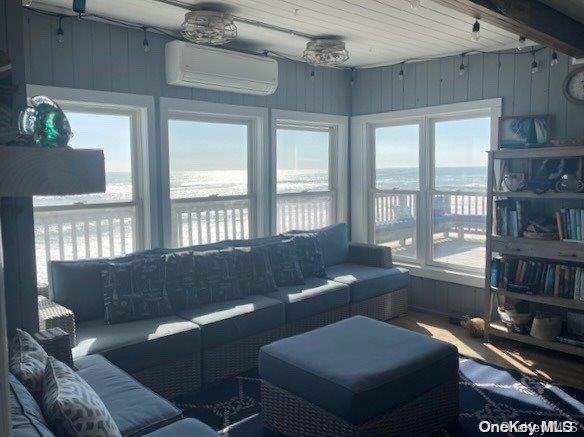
53 315
359 376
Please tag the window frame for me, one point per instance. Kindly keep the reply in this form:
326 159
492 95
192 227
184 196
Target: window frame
256 121
140 109
338 127
363 179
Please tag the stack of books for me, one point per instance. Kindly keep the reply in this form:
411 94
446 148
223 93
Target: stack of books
510 217
569 224
536 277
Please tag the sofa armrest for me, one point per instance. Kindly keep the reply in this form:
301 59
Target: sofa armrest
370 255
53 315
56 343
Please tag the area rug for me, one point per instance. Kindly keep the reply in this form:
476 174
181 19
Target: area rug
487 394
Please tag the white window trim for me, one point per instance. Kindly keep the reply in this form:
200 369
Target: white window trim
362 143
258 149
338 153
143 153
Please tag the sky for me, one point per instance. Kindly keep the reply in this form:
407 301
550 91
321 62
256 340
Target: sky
197 146
459 143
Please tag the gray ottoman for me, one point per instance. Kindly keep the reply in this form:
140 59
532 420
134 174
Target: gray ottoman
359 377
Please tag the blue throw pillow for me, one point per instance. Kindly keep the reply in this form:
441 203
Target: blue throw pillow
216 276
134 290
284 262
254 272
27 361
309 254
181 280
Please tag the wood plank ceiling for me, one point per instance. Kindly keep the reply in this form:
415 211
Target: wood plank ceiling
377 32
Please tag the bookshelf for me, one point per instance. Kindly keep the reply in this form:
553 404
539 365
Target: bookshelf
530 252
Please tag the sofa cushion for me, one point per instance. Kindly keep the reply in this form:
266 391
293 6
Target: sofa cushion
27 361
334 243
309 254
284 262
181 280
185 427
135 409
141 344
71 405
226 322
358 368
368 282
27 417
254 272
316 296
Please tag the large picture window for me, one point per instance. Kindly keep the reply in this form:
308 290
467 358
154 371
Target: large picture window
209 180
426 173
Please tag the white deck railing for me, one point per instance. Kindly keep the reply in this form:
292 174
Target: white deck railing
306 210
80 232
207 220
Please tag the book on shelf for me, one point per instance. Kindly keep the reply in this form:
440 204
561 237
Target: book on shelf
510 217
569 223
538 278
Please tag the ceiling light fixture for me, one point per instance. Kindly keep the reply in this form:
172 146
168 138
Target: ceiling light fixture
461 67
145 42
414 4
209 27
476 31
521 43
534 64
555 61
60 32
400 75
325 52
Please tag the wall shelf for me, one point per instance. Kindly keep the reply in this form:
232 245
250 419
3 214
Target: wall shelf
530 195
545 249
543 299
34 171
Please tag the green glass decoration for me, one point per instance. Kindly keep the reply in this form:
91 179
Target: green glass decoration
46 123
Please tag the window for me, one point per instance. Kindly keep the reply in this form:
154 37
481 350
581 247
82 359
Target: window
397 183
459 203
305 198
95 225
426 173
209 180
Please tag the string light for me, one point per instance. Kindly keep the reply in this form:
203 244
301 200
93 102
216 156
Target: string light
60 32
476 31
352 81
145 43
400 75
555 61
521 43
312 74
534 65
461 67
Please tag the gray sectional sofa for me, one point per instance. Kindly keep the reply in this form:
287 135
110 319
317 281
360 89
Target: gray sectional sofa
201 345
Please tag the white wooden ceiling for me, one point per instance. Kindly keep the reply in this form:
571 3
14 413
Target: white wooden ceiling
377 32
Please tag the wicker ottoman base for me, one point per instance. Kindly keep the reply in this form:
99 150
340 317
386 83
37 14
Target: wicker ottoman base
291 415
236 357
384 307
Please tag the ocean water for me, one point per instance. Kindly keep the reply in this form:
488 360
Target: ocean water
188 184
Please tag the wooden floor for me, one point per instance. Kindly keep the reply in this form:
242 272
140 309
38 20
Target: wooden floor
552 366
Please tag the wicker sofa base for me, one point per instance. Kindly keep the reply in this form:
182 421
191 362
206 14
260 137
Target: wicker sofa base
316 321
236 357
384 307
173 378
291 415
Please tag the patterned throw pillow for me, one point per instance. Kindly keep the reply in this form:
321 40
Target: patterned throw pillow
27 361
254 272
309 254
135 290
72 407
217 278
181 280
284 263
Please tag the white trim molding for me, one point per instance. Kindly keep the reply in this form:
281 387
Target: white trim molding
258 152
338 126
362 173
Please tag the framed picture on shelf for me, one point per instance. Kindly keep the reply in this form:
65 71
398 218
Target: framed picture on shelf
524 132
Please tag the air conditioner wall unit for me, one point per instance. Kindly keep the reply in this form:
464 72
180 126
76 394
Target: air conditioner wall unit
218 69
